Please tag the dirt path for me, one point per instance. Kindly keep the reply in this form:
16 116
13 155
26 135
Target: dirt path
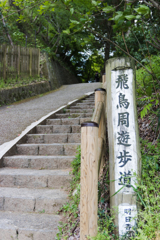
16 117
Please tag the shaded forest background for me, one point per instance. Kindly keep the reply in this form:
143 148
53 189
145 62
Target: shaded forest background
82 35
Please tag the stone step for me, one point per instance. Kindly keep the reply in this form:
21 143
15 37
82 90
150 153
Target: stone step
31 200
88 101
53 129
80 110
91 96
83 106
75 115
47 149
38 162
63 121
49 129
33 182
54 138
67 121
29 178
26 226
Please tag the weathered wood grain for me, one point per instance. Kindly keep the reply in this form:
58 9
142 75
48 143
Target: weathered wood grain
125 196
89 182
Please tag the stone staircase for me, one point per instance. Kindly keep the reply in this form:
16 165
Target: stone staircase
33 182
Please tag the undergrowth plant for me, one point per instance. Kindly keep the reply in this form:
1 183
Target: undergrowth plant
19 81
106 226
149 189
70 209
148 200
148 86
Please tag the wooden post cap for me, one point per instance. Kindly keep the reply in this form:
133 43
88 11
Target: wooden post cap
89 124
100 89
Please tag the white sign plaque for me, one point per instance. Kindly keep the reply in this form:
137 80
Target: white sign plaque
127 220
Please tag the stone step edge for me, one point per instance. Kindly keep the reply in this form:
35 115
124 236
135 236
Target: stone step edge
9 148
29 193
46 225
35 205
31 178
48 144
41 156
34 172
38 162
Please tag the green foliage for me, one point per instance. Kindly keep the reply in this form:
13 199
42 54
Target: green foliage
136 44
122 19
148 89
71 208
105 231
71 211
106 226
76 163
53 27
19 81
148 187
146 80
147 190
148 198
76 30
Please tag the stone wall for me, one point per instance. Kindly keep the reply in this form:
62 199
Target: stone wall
58 74
16 94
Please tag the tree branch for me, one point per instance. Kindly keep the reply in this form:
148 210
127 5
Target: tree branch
20 11
155 4
7 33
125 42
107 39
157 39
158 45
153 45
149 4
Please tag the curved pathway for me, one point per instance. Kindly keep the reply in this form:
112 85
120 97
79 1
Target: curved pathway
16 117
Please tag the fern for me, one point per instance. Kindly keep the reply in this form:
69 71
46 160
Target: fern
145 110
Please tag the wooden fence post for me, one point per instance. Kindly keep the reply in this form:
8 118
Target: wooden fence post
100 96
103 78
4 61
38 62
124 148
89 180
30 62
18 60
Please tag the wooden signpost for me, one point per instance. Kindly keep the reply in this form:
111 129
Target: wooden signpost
124 152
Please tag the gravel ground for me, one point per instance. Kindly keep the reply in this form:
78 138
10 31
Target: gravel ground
16 117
